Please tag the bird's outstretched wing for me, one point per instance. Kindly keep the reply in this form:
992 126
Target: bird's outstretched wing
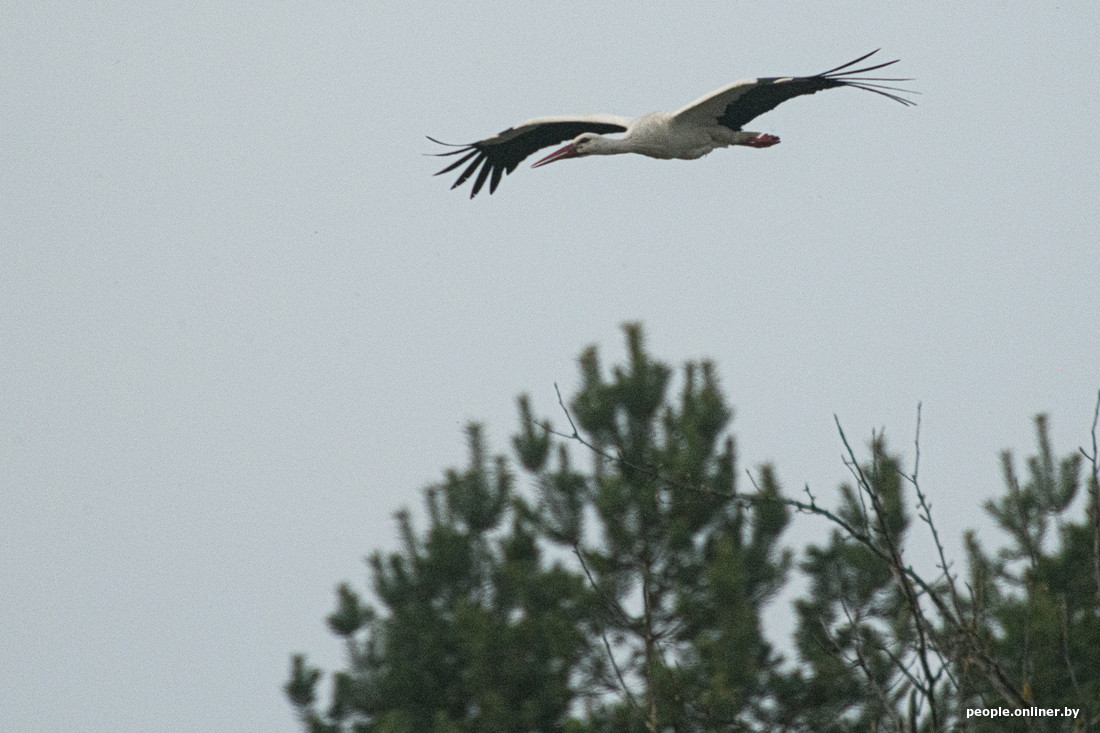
735 105
501 153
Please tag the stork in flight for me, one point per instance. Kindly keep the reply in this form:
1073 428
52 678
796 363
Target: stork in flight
714 121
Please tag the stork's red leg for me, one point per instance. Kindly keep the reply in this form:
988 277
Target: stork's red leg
763 140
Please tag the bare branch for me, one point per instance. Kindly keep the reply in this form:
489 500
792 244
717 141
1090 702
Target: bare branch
902 574
618 672
913 586
567 416
1094 492
926 516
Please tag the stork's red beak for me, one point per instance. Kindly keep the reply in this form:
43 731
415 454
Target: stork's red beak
569 151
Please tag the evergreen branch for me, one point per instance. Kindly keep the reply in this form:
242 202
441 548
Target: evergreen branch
648 471
1016 501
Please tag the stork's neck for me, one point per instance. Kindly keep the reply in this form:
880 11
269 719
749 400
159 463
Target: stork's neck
604 145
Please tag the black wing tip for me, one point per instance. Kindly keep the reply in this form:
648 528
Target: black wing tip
459 148
853 63
844 75
449 145
481 160
458 162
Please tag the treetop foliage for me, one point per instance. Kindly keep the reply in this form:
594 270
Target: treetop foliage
628 595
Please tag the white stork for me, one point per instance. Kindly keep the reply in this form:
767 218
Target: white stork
713 121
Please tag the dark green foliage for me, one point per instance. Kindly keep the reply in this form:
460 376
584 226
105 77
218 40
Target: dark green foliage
533 443
476 634
680 559
303 680
1038 599
628 597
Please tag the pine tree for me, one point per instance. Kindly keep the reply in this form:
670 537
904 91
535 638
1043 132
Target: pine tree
1037 600
627 598
681 564
648 619
476 632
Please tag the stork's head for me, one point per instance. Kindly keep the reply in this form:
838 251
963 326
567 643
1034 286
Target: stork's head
584 144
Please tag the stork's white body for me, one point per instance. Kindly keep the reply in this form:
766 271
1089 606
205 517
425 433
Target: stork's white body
663 135
710 122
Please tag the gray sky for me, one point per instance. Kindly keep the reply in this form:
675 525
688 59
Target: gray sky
242 324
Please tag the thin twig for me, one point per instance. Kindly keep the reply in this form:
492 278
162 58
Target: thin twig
618 672
916 446
566 411
623 618
926 517
851 462
861 661
616 608
1094 490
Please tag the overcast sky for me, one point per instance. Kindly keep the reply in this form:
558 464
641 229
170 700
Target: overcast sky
242 324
